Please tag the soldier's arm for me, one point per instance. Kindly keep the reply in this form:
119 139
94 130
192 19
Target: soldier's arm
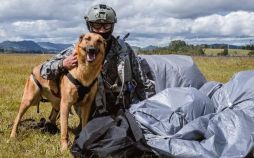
54 67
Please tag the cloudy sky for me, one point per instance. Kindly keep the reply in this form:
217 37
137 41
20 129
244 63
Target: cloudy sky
149 22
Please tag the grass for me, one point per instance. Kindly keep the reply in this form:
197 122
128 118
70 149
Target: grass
221 69
231 52
15 69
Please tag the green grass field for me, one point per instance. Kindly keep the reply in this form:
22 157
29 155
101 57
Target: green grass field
15 69
231 52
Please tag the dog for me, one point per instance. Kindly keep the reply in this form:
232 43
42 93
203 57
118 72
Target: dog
90 53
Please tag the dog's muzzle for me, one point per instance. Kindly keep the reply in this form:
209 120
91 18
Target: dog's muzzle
92 49
91 53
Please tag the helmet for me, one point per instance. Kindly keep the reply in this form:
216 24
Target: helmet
101 13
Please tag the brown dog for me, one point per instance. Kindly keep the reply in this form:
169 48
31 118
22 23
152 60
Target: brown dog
90 53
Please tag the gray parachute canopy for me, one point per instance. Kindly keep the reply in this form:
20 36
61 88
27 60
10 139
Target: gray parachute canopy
174 71
188 117
215 121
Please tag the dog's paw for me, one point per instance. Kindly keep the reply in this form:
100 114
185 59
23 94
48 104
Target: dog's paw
12 137
64 146
50 128
42 122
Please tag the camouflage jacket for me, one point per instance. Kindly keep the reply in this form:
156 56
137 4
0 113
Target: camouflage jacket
106 94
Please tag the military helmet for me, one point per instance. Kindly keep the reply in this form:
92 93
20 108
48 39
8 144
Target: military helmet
101 14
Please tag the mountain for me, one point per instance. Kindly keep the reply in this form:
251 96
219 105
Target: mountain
44 47
53 47
150 48
47 47
136 49
31 47
21 46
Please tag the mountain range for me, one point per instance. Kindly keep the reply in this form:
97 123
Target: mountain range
31 47
27 46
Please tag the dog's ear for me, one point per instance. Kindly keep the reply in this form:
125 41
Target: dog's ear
81 37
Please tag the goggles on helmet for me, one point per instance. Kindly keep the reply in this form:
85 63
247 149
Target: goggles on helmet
106 26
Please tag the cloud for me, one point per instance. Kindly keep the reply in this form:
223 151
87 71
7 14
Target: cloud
154 22
178 8
17 10
233 24
43 30
2 32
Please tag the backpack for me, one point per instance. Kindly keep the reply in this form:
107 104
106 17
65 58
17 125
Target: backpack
107 136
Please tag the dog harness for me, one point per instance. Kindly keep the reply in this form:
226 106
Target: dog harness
40 87
82 90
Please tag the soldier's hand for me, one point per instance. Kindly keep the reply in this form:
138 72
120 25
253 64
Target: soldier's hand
71 61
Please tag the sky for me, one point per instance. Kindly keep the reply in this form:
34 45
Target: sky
149 22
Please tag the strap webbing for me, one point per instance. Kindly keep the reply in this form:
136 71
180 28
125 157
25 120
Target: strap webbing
82 90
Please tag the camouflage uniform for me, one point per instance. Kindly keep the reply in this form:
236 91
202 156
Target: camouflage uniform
109 81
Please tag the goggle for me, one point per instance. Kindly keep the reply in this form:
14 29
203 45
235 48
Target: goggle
106 26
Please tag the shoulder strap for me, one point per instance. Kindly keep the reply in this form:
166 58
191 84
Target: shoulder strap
36 82
73 80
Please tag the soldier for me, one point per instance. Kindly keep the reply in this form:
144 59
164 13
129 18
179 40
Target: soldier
122 80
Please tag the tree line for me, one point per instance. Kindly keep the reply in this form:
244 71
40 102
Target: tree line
181 47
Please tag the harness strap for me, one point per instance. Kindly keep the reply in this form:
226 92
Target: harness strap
37 82
40 87
82 90
58 95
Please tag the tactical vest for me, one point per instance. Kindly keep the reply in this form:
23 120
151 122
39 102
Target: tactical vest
116 77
